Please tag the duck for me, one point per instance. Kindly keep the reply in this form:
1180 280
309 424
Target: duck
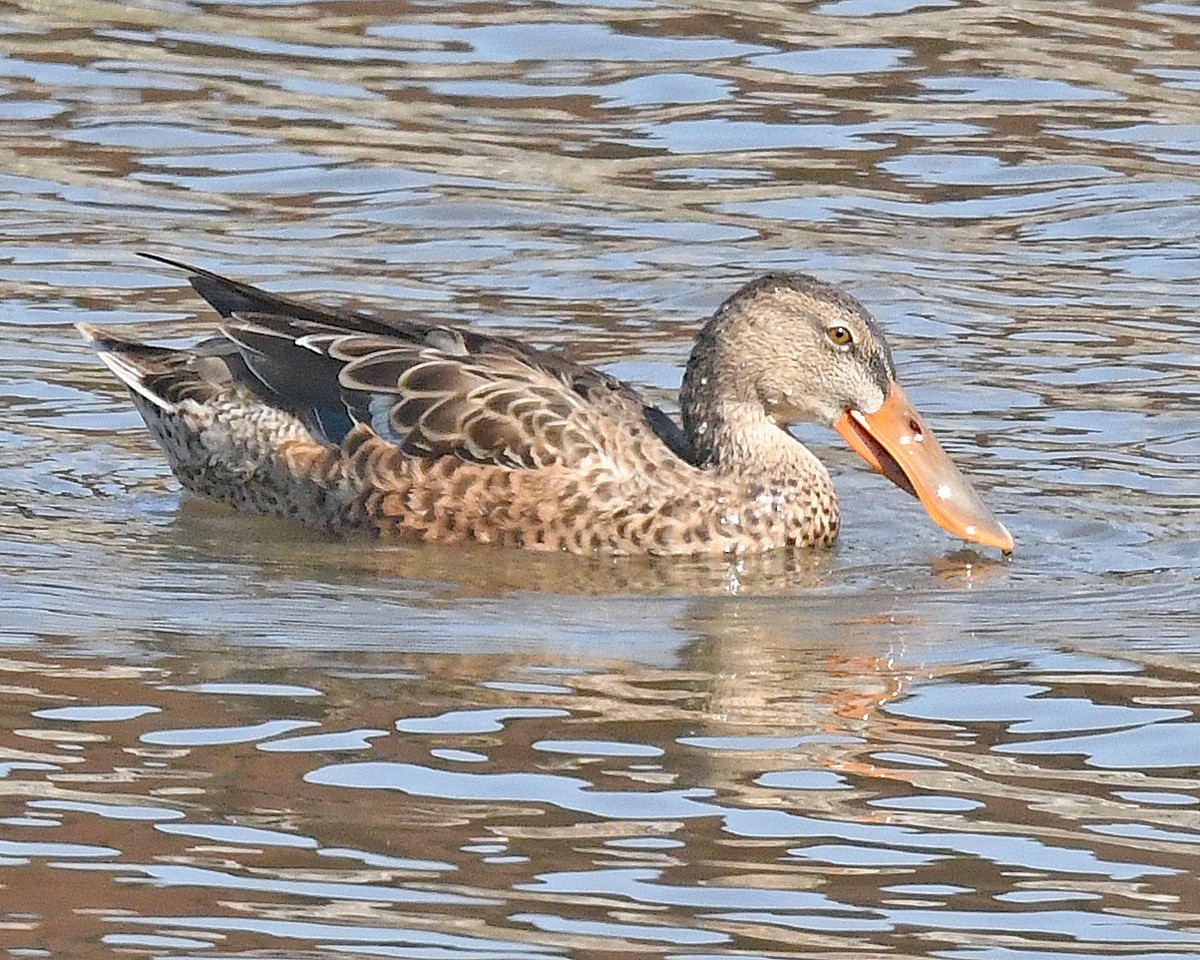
346 420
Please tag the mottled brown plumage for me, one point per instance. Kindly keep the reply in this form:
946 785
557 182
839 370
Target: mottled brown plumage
349 421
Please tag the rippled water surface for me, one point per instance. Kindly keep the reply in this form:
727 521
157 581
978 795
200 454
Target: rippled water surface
221 738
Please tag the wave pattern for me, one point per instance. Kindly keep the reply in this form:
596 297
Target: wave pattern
219 736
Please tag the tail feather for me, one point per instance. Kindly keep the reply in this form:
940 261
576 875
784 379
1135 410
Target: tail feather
161 375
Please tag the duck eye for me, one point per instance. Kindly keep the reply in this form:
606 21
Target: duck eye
841 336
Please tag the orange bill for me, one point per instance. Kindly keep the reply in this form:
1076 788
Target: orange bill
895 441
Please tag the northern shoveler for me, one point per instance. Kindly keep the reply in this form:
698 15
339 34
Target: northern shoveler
347 421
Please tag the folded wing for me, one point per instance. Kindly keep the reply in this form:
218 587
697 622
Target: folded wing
431 390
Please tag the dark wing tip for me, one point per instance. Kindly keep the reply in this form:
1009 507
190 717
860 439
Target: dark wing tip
158 257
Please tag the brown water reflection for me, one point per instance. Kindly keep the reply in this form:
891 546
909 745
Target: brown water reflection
768 796
222 737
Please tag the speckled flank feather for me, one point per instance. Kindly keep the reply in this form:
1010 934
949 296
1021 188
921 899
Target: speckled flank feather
348 422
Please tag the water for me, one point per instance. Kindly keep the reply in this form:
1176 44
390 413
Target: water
223 739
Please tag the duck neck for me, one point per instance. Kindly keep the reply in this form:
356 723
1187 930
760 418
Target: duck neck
731 430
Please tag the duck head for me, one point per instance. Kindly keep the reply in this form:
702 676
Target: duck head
801 350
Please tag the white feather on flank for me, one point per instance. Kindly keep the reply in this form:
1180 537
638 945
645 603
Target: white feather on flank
131 376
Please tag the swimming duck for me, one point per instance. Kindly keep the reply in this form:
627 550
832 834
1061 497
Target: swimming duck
349 421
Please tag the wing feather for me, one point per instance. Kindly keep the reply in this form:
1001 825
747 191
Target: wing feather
494 407
432 390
